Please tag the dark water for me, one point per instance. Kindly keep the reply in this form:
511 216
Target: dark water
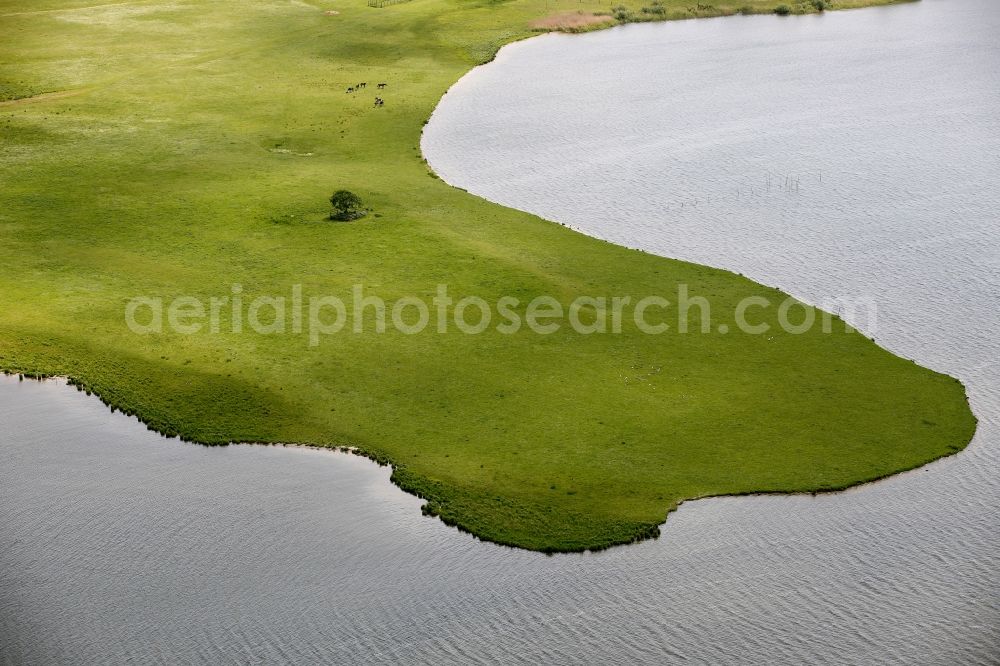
119 546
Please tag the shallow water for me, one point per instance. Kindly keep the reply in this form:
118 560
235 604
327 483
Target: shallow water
116 544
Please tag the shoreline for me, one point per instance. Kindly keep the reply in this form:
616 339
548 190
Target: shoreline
654 531
61 381
412 483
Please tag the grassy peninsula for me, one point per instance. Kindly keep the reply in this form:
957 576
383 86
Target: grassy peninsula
178 147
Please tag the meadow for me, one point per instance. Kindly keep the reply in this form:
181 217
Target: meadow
177 147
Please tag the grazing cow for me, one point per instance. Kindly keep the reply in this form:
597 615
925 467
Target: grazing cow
381 85
350 90
362 84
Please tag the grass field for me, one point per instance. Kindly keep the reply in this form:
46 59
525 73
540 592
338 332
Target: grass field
170 148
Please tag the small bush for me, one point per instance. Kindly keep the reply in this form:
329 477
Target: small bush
782 10
346 206
820 5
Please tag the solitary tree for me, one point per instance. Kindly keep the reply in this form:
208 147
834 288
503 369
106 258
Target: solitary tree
346 206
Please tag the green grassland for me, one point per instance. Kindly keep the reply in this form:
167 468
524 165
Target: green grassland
175 147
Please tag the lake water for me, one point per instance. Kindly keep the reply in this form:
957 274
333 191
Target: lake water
852 154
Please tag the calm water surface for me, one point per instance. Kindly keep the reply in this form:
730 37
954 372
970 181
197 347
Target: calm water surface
118 545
